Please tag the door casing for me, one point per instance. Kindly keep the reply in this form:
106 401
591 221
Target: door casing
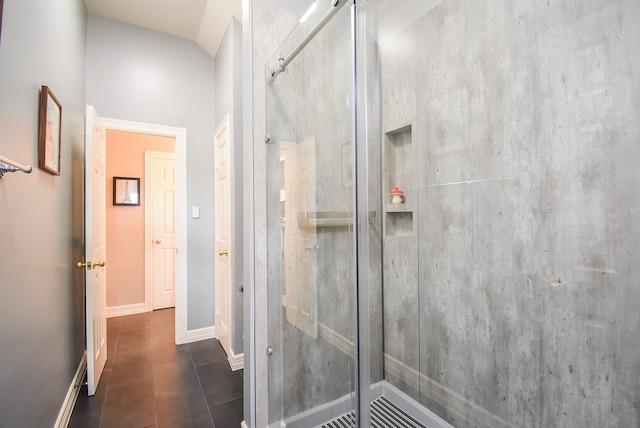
180 148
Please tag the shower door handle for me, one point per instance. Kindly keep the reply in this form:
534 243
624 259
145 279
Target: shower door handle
269 351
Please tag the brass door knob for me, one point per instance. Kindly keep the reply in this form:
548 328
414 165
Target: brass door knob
158 241
223 253
101 263
81 265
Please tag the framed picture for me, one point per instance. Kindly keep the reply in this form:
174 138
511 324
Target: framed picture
50 132
126 191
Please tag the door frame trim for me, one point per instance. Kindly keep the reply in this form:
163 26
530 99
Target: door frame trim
180 149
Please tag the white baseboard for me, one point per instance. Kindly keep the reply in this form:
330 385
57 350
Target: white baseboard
201 334
72 395
236 361
118 311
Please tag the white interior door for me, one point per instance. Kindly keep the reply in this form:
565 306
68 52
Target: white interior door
95 248
160 203
223 232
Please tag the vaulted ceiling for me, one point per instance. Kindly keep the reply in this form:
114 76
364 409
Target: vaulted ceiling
203 21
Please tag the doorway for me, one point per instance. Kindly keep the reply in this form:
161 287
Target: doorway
178 136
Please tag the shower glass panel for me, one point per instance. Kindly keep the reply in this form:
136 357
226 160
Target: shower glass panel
454 240
310 204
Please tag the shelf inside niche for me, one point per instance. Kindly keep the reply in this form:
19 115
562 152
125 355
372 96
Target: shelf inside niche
398 208
399 223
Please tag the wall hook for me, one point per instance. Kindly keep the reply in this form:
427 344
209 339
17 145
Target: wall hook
7 165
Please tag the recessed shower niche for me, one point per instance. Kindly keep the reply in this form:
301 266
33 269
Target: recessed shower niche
399 170
398 223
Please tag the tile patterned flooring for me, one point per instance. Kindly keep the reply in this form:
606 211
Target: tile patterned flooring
149 381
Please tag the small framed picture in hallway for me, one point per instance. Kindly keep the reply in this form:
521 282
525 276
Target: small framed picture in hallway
50 132
126 191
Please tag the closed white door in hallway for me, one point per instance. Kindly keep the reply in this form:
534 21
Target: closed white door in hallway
223 233
160 206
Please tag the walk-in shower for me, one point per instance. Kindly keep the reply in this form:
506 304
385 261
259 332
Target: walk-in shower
449 217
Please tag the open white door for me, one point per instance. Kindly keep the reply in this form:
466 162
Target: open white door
95 248
223 233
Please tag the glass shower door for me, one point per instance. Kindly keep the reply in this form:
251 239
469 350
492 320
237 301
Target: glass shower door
310 198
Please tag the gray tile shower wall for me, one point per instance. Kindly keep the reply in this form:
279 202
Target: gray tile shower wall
517 299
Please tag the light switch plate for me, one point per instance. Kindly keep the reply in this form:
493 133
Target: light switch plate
195 212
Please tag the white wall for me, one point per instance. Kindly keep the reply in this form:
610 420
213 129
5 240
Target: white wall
41 215
145 76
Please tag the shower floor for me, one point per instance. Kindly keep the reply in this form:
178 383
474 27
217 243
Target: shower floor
390 408
384 414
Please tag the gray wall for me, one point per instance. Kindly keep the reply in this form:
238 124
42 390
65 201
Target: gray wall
41 215
521 171
229 101
145 76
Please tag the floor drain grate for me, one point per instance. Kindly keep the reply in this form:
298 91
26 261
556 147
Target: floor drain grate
384 414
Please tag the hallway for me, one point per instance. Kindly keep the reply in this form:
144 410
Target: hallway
148 381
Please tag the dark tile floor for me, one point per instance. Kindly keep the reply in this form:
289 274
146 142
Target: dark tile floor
151 382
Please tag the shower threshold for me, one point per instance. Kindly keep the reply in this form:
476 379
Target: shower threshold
390 408
384 414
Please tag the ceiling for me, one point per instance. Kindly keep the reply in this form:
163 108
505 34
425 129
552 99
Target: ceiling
203 21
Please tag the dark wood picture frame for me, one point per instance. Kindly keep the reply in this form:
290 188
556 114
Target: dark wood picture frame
126 191
50 132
